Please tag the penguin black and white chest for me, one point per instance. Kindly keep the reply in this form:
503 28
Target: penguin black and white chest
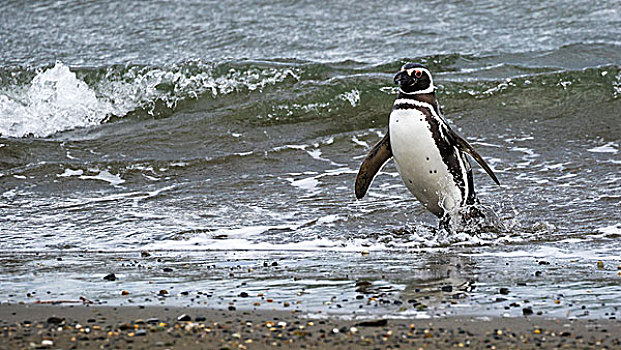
430 156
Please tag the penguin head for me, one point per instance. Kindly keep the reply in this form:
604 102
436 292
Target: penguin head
414 78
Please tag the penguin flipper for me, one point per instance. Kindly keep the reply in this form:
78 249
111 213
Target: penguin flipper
466 147
371 165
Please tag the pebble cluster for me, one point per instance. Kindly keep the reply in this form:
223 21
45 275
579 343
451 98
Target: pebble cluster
249 330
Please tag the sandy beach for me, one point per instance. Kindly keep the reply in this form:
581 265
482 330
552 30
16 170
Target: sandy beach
182 174
28 326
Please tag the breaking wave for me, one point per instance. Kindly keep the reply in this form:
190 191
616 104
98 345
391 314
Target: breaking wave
41 102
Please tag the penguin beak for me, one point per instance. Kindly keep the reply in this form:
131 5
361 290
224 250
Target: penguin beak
404 79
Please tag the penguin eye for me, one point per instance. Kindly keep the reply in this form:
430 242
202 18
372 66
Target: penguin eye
418 73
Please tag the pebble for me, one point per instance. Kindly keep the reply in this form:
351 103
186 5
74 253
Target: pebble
373 323
504 291
184 318
55 320
302 333
110 277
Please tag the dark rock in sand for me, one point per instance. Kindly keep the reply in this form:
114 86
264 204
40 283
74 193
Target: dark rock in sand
503 291
373 323
55 320
447 288
527 311
110 277
184 318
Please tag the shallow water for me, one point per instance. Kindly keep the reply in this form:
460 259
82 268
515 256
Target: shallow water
222 137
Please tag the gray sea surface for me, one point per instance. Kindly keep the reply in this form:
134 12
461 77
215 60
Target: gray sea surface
205 153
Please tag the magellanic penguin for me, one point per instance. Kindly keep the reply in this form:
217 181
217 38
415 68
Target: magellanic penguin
430 156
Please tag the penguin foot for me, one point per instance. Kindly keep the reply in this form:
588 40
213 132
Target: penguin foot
472 218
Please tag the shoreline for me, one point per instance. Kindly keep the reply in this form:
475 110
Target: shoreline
158 327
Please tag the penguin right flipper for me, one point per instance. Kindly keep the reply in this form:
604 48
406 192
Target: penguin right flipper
375 159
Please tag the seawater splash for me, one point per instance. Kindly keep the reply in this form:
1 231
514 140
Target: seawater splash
145 87
56 100
60 98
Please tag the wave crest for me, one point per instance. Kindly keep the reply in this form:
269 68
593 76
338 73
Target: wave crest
59 98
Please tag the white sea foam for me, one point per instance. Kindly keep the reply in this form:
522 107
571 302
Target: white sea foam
316 154
206 242
610 147
106 176
135 196
359 143
308 184
56 100
611 230
353 97
68 172
552 252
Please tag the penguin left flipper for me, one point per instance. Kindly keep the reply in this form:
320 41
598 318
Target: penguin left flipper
373 162
464 146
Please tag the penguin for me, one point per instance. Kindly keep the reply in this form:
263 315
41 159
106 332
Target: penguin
430 156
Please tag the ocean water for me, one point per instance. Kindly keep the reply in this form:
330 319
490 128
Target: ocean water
223 138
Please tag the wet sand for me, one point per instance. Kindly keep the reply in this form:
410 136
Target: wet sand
35 326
